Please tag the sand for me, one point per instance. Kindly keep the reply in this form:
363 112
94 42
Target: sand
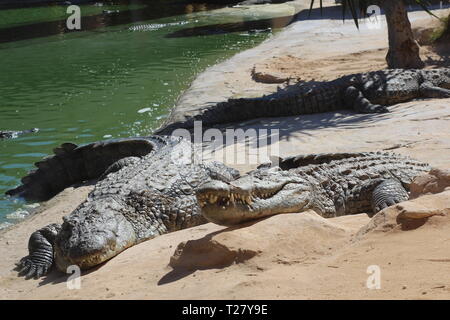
289 256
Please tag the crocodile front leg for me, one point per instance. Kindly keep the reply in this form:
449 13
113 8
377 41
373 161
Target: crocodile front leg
40 248
428 90
355 99
388 193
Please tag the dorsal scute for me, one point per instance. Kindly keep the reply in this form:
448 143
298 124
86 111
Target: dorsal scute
316 159
72 164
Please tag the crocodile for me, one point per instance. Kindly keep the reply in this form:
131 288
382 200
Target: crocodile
330 184
369 92
9 134
146 189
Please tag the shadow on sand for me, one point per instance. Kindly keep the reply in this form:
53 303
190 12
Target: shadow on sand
193 261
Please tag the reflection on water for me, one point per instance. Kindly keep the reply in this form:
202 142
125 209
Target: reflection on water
107 17
224 28
106 81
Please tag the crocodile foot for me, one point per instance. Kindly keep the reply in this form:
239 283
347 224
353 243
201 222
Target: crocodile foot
33 267
388 193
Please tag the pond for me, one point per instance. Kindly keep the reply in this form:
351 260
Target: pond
116 77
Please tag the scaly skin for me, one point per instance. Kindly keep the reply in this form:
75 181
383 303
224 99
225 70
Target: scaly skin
330 184
145 198
364 93
72 164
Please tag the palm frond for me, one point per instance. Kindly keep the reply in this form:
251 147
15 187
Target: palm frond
426 6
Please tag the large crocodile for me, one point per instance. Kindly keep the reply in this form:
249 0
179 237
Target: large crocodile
9 134
147 190
330 184
364 92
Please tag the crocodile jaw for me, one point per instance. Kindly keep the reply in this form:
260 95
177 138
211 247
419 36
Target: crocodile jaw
92 239
240 201
88 260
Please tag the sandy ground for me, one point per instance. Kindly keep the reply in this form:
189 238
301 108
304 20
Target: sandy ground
293 256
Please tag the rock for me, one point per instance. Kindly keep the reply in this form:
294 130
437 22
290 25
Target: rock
408 215
435 181
268 77
298 236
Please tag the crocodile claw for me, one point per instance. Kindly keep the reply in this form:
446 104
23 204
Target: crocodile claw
31 267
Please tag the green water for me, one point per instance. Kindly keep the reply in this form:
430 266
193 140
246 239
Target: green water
105 82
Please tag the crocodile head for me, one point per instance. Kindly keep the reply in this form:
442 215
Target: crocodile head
92 234
258 194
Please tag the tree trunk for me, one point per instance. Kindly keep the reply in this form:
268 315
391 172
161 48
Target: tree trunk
446 33
403 48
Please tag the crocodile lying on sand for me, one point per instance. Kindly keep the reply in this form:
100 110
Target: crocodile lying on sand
7 134
364 92
330 184
148 190
141 198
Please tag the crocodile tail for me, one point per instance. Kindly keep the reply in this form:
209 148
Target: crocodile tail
407 164
71 164
321 158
